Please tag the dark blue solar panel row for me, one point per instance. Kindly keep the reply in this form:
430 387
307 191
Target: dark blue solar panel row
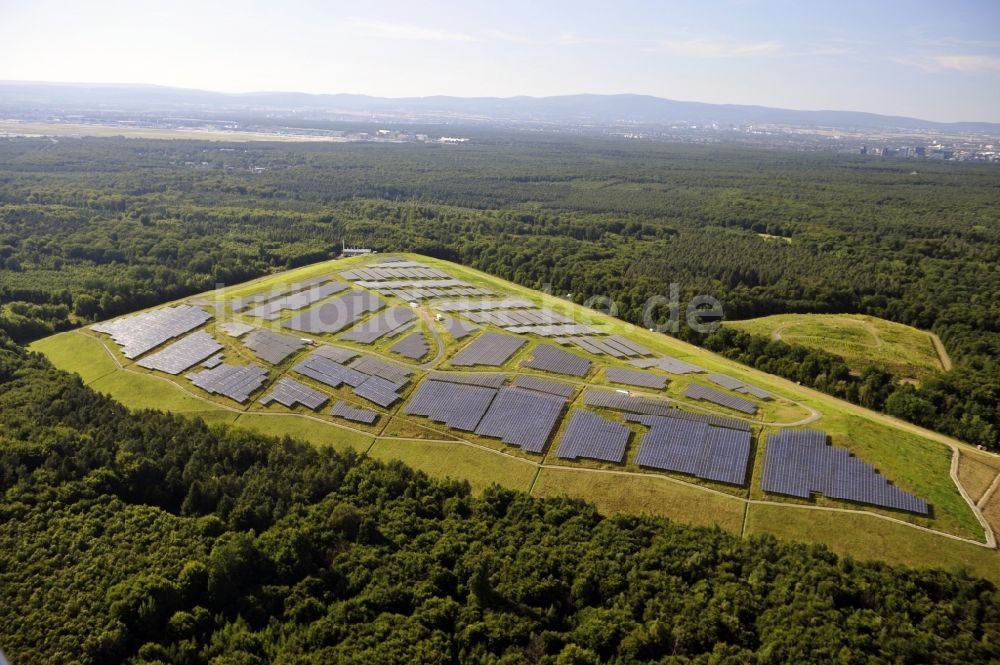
271 346
413 346
799 463
290 392
522 418
738 386
458 328
329 372
345 410
544 386
591 436
369 385
490 348
473 379
624 402
632 377
456 405
390 371
380 325
378 390
142 332
630 345
335 353
182 354
551 359
695 448
669 365
695 391
376 273
519 417
236 383
272 308
277 292
337 314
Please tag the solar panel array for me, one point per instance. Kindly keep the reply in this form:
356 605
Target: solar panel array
235 382
594 437
799 463
632 377
337 314
490 348
671 365
335 353
652 407
235 328
738 386
695 448
271 346
420 293
550 359
614 346
413 346
142 332
483 305
290 392
518 317
410 280
387 370
373 380
488 380
522 418
387 271
694 391
380 325
182 354
456 405
345 410
272 309
330 372
398 262
458 328
544 386
378 390
214 361
276 293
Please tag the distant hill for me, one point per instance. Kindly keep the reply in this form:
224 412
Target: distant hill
570 110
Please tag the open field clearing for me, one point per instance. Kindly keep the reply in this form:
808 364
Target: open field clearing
863 341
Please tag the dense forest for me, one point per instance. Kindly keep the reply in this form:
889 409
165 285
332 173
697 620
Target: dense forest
149 538
92 228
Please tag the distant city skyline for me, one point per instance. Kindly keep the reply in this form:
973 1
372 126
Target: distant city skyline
930 60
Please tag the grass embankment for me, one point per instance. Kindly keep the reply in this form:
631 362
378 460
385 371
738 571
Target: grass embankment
863 341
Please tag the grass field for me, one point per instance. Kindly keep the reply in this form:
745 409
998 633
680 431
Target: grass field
866 538
863 341
299 427
643 494
85 355
454 460
913 459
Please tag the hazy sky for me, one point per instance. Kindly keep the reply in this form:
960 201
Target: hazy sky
938 60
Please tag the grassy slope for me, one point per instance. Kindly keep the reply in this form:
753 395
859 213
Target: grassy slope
864 537
977 473
480 467
913 459
644 494
863 341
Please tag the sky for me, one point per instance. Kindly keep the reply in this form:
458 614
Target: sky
937 60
